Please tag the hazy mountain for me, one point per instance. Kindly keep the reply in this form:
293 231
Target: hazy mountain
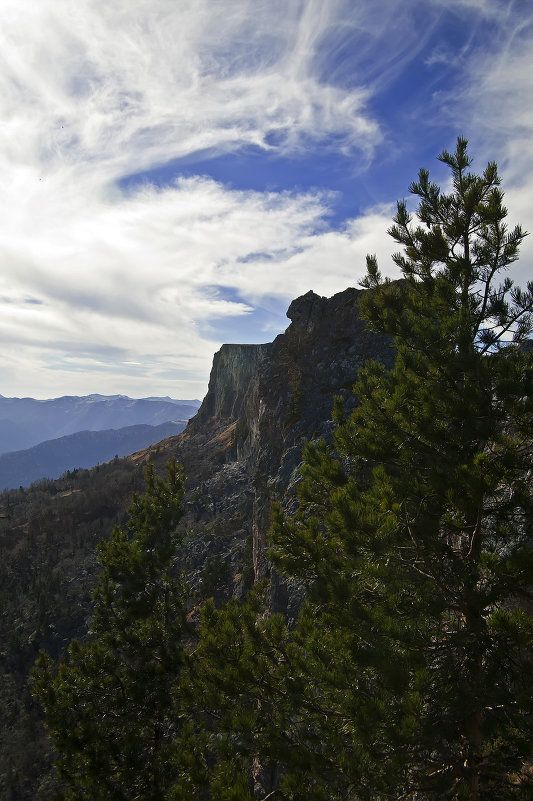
25 422
52 458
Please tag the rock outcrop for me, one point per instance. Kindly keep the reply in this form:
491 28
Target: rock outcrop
234 367
242 450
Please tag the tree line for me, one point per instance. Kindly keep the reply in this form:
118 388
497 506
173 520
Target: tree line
408 672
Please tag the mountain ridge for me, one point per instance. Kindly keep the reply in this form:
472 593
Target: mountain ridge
83 449
25 422
240 452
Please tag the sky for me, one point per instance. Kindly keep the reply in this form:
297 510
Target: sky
175 172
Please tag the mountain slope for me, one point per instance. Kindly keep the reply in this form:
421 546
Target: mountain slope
25 422
84 449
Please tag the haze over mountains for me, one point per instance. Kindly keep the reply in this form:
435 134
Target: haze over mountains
44 438
84 449
25 422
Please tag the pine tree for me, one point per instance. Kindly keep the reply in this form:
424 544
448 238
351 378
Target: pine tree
234 696
111 706
415 537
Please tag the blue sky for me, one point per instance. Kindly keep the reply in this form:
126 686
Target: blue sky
174 173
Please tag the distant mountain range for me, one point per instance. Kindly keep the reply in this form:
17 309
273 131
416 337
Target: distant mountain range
25 422
54 457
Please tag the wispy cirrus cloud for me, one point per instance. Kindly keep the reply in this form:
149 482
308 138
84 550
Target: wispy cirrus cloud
91 92
128 85
127 285
492 107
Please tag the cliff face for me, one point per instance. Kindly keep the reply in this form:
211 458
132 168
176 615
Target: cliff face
242 450
240 453
317 358
234 366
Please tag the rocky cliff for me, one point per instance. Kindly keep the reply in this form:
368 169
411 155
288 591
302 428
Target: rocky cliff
240 452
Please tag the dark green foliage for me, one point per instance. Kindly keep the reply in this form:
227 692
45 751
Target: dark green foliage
235 692
408 674
417 636
48 535
110 706
295 399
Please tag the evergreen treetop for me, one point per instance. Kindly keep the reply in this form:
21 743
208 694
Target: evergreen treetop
408 674
110 706
419 556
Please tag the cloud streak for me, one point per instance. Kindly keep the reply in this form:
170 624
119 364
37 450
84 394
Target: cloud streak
120 290
129 85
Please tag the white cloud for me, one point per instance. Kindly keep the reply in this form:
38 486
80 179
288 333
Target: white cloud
326 263
130 84
493 109
93 91
131 281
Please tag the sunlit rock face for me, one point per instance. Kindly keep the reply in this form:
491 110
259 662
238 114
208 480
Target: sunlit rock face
234 367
